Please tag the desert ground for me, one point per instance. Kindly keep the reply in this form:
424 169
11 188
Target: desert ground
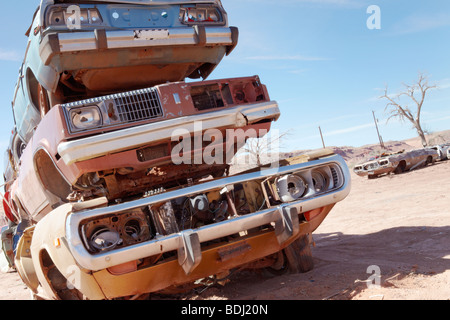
397 225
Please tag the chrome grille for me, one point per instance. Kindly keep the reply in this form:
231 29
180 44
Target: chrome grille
371 166
138 105
120 108
335 177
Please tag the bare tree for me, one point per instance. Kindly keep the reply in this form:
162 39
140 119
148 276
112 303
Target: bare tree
258 147
417 93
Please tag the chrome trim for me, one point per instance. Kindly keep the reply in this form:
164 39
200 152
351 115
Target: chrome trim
133 137
206 233
87 40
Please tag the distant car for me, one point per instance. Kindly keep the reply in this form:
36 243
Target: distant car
396 162
442 151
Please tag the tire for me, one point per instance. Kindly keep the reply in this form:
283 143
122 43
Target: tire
281 266
400 168
299 256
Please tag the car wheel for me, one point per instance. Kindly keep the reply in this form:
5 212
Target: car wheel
400 168
299 256
280 267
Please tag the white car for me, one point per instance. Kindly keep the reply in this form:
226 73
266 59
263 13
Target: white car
442 151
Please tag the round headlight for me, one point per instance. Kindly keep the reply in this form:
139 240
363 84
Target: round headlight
291 187
85 118
104 239
320 181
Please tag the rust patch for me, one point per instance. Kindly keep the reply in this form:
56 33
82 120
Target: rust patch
233 251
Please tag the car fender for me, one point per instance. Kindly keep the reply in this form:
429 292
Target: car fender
49 235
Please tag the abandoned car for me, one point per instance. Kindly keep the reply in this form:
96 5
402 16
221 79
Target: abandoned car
442 150
122 188
396 162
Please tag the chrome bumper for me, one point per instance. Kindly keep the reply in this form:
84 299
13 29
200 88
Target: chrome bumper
116 141
187 242
59 43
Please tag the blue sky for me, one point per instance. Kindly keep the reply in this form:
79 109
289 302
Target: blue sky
318 59
326 68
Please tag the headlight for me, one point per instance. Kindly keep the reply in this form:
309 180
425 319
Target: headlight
193 15
85 118
73 16
320 181
291 187
104 239
123 230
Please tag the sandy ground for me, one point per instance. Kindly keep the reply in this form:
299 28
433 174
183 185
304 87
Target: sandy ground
398 225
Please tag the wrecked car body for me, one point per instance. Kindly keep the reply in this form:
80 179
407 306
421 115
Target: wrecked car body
85 49
122 189
126 143
172 239
396 163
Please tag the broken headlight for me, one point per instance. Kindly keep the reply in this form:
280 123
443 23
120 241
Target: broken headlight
85 118
117 231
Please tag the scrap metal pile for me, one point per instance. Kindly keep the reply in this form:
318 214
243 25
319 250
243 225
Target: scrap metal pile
117 182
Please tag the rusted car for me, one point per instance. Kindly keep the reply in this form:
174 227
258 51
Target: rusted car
396 163
124 193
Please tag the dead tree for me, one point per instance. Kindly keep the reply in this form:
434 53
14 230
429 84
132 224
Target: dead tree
416 93
258 147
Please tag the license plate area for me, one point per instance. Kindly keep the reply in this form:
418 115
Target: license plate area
152 34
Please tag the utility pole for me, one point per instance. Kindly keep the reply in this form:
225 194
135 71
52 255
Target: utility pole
321 136
378 132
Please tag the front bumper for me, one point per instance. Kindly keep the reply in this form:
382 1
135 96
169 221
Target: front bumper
125 139
376 171
187 243
75 42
